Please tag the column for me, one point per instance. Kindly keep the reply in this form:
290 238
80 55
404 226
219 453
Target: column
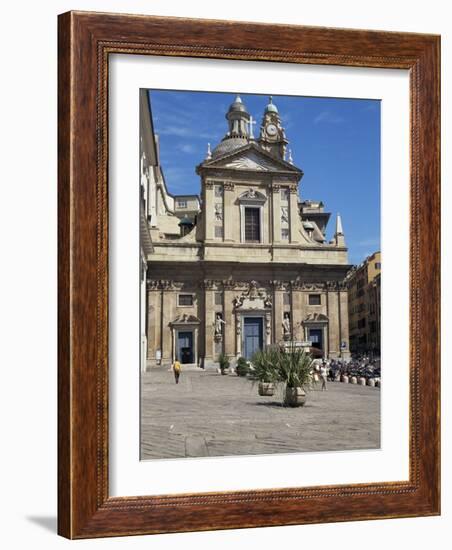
276 201
230 220
333 321
209 222
343 315
294 215
229 317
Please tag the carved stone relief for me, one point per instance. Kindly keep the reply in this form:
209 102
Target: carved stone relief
253 298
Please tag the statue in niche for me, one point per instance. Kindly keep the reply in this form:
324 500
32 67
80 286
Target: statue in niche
219 326
286 326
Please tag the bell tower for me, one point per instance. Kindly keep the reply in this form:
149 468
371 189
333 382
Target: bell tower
238 119
272 136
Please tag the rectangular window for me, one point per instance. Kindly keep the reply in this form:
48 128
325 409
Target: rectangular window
218 231
285 234
377 265
314 299
218 299
252 225
286 299
185 300
182 203
218 190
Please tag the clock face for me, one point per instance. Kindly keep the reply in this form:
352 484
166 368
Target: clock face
272 130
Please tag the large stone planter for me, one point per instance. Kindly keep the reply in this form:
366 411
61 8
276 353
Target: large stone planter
353 380
266 388
362 381
344 379
295 397
371 382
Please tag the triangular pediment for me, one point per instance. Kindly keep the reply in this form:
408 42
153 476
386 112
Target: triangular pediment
185 319
251 157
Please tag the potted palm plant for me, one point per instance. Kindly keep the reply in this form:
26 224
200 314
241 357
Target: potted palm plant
223 361
294 370
243 367
264 370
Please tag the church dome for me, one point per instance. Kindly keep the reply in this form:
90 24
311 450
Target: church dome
271 107
228 145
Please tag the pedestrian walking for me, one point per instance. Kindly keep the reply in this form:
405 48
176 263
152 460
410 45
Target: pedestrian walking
176 370
323 376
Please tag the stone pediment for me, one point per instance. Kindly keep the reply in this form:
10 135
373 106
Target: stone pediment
185 319
316 318
251 157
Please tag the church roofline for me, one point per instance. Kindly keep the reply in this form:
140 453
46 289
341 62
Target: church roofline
211 163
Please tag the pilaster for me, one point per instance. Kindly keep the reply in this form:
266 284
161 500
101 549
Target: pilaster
209 298
229 317
294 214
153 323
333 320
209 213
278 310
297 314
229 216
343 320
276 202
168 312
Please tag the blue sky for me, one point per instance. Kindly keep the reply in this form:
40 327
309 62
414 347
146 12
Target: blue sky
336 142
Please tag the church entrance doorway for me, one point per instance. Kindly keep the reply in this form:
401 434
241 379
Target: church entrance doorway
316 337
252 336
185 347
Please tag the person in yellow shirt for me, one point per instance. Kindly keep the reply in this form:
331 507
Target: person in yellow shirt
176 370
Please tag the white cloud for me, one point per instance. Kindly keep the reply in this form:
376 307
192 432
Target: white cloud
187 148
328 117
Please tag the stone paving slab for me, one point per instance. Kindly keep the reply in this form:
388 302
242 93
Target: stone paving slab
208 414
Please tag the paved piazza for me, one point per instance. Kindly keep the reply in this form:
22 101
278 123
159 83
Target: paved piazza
207 414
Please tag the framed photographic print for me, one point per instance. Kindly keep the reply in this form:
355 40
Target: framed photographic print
248 275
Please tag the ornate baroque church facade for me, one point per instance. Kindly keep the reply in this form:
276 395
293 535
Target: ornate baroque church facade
249 264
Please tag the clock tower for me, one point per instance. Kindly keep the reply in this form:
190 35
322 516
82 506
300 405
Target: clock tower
272 136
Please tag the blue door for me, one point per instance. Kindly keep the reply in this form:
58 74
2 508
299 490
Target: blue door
185 347
316 337
252 335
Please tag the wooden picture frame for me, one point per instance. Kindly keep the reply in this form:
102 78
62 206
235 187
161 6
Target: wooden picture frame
85 508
